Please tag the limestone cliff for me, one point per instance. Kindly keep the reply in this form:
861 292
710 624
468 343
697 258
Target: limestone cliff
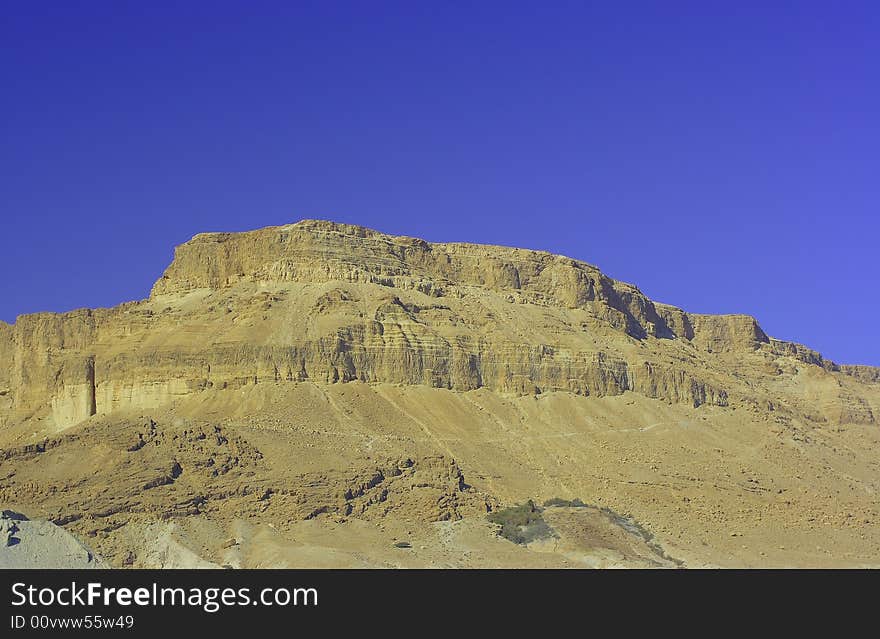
335 303
316 251
7 350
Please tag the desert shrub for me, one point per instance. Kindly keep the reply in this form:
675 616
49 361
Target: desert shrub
520 515
522 523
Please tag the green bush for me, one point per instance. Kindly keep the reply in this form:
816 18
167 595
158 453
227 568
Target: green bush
522 524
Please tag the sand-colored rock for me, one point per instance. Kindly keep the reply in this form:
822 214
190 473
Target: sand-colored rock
7 350
320 372
335 303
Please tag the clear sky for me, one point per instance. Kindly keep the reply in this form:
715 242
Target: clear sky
721 156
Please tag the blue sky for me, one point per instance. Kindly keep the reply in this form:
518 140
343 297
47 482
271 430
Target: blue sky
721 156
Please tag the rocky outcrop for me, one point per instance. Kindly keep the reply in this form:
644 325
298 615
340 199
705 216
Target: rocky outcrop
7 350
316 251
868 374
800 353
48 366
334 303
663 382
714 333
720 333
854 409
53 365
152 470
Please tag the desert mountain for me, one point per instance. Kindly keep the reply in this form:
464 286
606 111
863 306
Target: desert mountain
314 394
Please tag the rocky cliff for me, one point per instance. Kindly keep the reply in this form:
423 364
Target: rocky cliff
334 303
7 351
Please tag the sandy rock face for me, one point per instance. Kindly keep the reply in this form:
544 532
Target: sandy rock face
7 350
335 303
315 251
